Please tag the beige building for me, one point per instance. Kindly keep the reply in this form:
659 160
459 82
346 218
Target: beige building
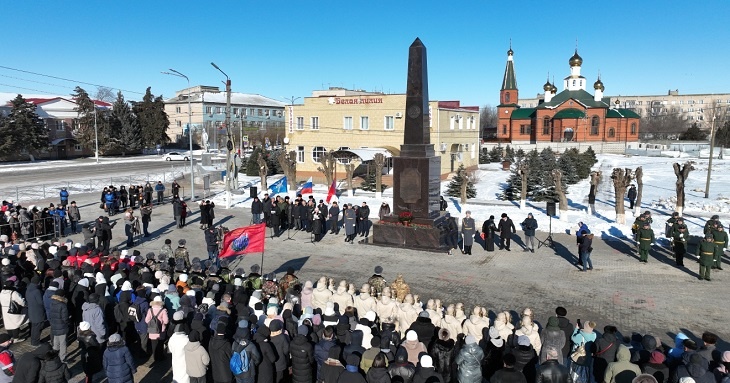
365 123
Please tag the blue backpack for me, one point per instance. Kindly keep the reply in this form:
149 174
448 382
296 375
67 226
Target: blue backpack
239 362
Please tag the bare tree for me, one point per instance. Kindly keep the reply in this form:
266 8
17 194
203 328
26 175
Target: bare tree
288 163
595 181
682 173
523 170
487 119
558 181
379 163
663 125
621 180
106 94
349 172
638 174
328 162
263 171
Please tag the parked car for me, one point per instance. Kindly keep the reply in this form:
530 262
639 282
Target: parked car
177 156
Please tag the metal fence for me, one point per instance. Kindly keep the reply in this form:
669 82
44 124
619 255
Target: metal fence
51 190
41 229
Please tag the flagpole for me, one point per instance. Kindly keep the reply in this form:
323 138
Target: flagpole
262 261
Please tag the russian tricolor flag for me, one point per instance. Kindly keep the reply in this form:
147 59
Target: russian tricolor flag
307 187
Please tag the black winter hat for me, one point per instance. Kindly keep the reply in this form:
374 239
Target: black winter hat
194 336
276 325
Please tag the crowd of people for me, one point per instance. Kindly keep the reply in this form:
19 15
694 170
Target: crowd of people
209 323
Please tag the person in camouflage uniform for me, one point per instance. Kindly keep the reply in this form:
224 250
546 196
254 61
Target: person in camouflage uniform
680 238
288 281
719 236
269 289
706 252
182 253
377 282
645 237
253 282
400 288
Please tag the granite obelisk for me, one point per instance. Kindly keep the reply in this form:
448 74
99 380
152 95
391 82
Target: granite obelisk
417 169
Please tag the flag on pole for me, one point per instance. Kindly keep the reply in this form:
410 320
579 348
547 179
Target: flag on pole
279 186
244 240
332 192
307 187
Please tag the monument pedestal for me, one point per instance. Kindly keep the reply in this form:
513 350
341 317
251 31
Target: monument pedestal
420 234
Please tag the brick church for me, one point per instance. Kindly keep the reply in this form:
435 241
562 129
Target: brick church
573 115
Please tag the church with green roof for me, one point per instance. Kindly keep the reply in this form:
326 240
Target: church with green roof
573 115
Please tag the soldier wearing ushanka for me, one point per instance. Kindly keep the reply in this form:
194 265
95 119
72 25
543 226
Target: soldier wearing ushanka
680 244
645 237
468 229
719 236
706 252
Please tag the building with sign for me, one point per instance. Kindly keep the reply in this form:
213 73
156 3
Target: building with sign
365 123
248 111
573 115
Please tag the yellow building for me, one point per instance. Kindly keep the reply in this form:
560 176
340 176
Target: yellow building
368 122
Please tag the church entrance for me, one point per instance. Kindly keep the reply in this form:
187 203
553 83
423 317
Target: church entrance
568 134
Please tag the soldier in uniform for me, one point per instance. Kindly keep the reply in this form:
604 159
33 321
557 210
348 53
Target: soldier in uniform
350 218
400 288
377 282
288 281
720 238
711 224
638 224
468 229
669 227
182 253
706 252
646 239
680 237
253 281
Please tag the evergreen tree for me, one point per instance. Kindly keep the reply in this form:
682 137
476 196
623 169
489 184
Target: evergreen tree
509 154
722 136
569 163
495 154
454 187
152 119
589 157
483 156
514 183
548 162
84 131
694 133
272 160
368 183
519 155
22 130
252 166
124 127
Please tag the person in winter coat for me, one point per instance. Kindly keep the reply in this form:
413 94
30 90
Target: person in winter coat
332 367
266 372
91 360
508 374
53 370
552 336
74 216
526 357
425 372
551 370
606 348
506 229
118 362
494 349
302 356
424 329
656 367
176 346
468 229
378 372
567 327
322 348
157 311
350 223
197 359
695 367
585 337
280 342
12 322
622 370
413 347
59 320
27 368
242 341
93 314
488 229
442 354
36 310
528 226
469 362
7 359
351 374
220 355
401 367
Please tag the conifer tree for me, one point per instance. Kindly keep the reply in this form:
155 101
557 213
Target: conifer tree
548 162
589 157
514 183
454 187
252 166
495 154
22 130
153 119
569 163
369 182
125 129
509 154
84 131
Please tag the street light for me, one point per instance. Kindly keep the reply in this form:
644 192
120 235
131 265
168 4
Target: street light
229 143
96 136
190 132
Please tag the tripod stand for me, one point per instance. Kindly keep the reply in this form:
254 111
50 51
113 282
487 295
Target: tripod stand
549 240
288 232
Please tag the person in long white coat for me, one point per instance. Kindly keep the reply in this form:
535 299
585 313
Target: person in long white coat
451 323
433 313
474 325
13 322
176 345
364 302
387 307
502 324
530 330
321 294
342 297
407 313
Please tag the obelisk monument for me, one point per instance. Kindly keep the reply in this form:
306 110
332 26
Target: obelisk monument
417 170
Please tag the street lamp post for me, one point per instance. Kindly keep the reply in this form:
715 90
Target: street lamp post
190 132
96 136
229 143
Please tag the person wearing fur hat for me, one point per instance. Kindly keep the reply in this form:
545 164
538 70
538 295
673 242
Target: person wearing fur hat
182 253
468 230
281 344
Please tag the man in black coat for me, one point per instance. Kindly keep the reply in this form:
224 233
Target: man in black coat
508 374
363 220
220 352
488 228
506 229
332 215
423 327
36 311
29 365
567 327
302 356
322 349
280 341
211 243
552 371
58 317
267 209
257 209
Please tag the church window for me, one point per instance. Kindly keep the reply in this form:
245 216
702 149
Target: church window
573 82
506 98
546 126
611 132
504 129
595 121
633 128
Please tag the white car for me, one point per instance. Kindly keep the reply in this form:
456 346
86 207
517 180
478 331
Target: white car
177 156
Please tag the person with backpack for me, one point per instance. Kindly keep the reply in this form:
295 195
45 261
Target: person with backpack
136 313
245 355
156 320
220 351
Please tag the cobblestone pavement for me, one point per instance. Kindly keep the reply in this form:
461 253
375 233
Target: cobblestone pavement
657 297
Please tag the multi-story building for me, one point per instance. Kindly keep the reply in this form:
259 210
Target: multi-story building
573 115
60 117
208 104
364 123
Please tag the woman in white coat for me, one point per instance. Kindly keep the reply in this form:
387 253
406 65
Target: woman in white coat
13 322
176 346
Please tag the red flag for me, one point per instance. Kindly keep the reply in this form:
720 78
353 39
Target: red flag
333 190
244 240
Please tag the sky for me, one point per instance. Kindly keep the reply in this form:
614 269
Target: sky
285 49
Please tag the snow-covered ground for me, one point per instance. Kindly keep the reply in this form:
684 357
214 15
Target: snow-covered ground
658 196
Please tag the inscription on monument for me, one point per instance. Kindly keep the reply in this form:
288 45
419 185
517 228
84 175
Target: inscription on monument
410 186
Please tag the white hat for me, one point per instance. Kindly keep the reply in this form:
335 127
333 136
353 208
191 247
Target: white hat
127 286
330 309
411 335
183 278
77 245
426 361
158 274
208 301
5 262
84 326
157 299
370 315
53 250
124 253
190 293
34 246
237 282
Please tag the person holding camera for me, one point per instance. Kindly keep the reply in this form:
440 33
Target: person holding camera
130 221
